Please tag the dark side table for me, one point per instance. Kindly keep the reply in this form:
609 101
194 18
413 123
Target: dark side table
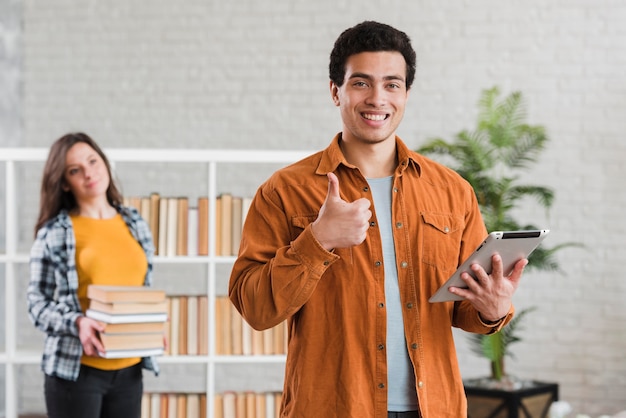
531 399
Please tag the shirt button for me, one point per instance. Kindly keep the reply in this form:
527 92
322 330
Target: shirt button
420 384
446 229
381 385
366 189
326 262
395 190
377 263
404 264
414 346
372 223
381 305
409 305
398 224
381 346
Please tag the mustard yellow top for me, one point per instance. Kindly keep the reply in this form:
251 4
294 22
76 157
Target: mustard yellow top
107 254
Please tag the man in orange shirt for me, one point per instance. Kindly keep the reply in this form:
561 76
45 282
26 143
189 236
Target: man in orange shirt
348 244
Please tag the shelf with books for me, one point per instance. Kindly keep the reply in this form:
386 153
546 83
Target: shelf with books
22 168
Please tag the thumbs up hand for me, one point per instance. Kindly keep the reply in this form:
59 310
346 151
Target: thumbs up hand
341 224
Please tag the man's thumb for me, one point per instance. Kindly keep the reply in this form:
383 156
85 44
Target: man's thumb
333 186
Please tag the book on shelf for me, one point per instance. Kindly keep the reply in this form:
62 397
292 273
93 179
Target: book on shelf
193 406
182 325
174 324
203 226
155 405
162 236
226 223
140 352
172 218
131 341
111 294
144 208
203 325
172 404
145 405
236 224
182 220
153 220
128 307
126 318
192 325
236 328
192 232
181 406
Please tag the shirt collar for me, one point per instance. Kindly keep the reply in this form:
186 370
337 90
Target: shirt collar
332 157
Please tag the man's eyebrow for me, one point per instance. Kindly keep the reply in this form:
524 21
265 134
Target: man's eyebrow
369 77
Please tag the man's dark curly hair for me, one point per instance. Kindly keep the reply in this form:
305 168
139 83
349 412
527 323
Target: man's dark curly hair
370 36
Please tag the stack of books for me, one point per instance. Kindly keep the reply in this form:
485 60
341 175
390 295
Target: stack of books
134 319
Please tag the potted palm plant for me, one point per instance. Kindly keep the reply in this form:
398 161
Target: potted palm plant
492 158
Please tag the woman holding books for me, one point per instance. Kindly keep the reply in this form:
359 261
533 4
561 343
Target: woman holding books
84 236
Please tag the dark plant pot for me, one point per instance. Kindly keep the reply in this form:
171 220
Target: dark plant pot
509 398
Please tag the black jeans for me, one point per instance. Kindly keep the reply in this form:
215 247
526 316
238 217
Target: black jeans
406 414
96 394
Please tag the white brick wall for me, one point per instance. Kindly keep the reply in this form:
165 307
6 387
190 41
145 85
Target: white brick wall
245 74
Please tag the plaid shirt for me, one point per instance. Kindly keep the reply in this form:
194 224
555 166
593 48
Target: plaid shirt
53 305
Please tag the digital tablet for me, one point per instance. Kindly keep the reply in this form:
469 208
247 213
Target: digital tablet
512 247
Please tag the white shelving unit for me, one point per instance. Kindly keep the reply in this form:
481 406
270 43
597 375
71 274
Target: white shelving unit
12 357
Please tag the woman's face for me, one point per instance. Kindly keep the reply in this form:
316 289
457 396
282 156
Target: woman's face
86 174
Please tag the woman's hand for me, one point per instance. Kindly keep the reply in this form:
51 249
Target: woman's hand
88 330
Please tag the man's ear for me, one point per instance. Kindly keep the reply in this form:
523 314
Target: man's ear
334 93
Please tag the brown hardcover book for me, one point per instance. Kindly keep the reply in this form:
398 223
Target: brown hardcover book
193 406
110 294
260 405
128 307
181 225
182 326
131 341
218 225
203 406
236 331
222 326
203 325
279 338
251 411
203 226
236 220
278 400
240 402
174 324
181 405
153 221
192 325
268 341
134 328
226 225
258 342
163 408
218 406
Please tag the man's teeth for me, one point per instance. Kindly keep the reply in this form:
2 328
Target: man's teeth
374 117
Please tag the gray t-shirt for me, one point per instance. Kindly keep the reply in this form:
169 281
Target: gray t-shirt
401 377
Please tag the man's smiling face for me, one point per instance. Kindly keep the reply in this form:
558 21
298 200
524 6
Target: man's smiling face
373 96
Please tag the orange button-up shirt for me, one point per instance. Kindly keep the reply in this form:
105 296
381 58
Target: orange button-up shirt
334 301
